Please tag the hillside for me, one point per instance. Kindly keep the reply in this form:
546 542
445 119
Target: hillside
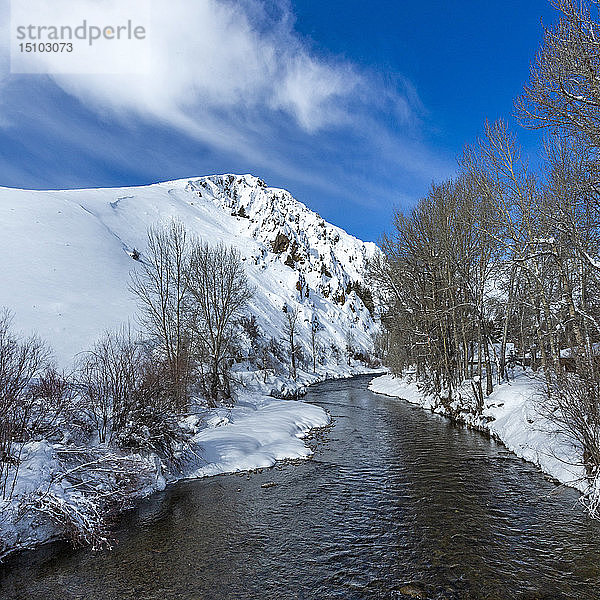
67 256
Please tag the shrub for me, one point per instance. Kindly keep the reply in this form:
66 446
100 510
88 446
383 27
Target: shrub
101 484
126 395
21 361
571 403
54 404
251 328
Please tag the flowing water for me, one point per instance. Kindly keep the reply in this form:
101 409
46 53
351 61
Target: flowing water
396 503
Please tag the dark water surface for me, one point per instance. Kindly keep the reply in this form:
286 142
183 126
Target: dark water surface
396 503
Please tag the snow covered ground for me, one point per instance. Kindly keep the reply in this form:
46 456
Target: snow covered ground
511 415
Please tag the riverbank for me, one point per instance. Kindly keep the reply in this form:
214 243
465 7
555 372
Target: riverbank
510 415
259 429
262 426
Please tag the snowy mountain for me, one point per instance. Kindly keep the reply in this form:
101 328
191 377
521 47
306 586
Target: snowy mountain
67 255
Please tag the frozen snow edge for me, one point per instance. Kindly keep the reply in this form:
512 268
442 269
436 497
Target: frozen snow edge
255 435
259 430
509 416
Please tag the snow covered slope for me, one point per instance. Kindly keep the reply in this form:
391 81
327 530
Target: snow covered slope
66 257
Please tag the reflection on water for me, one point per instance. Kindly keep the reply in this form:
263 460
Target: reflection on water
396 503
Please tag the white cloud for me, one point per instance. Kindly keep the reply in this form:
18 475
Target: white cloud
211 56
236 76
215 56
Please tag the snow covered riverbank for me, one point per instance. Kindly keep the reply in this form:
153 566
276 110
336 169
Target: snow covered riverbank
259 430
510 415
254 432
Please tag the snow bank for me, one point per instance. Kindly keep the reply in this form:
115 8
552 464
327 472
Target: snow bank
510 414
254 433
258 430
251 437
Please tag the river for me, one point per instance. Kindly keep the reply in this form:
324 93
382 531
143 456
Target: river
395 503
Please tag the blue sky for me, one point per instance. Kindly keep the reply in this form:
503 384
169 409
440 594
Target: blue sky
354 107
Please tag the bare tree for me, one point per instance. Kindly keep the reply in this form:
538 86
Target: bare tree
21 361
349 339
56 402
161 286
571 404
219 292
434 277
315 327
563 89
290 329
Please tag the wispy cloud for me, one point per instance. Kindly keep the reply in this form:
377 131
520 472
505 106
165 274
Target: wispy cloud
236 77
212 58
